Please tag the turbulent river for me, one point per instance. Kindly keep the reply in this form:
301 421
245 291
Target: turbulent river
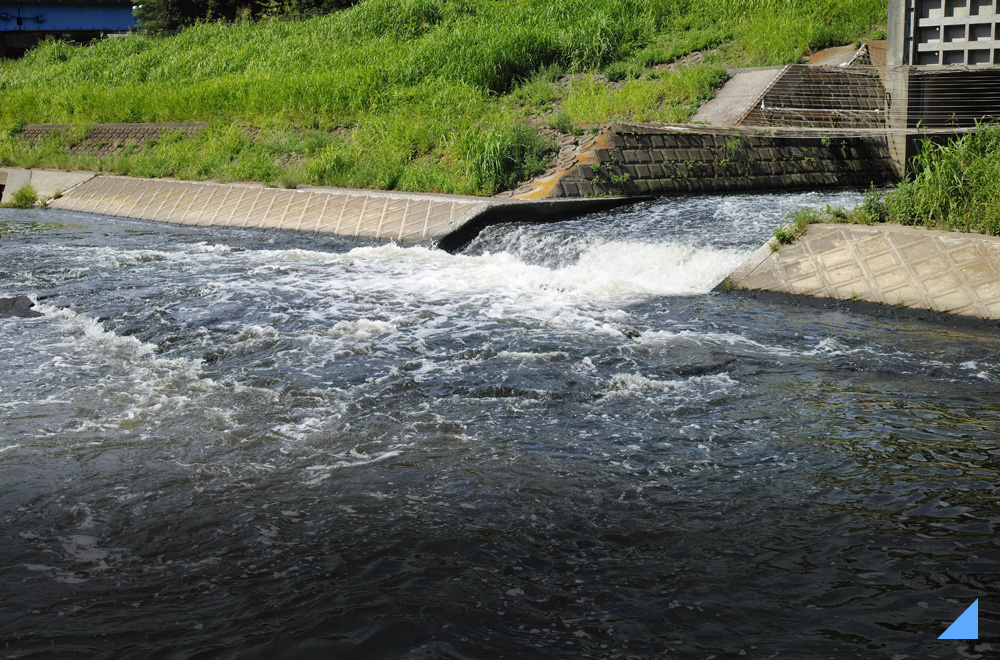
557 443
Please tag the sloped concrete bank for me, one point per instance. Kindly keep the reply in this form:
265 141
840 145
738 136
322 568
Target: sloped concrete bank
900 267
448 221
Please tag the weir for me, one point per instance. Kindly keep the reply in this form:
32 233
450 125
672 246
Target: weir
447 221
911 267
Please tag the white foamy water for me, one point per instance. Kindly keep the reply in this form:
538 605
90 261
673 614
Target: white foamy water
391 293
637 384
614 271
96 382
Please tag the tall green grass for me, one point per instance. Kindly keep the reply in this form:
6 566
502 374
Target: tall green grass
423 92
956 185
667 97
953 186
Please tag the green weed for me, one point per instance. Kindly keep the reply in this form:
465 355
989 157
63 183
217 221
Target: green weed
954 188
561 122
23 198
796 224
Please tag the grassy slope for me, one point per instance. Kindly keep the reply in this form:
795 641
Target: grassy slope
956 187
406 94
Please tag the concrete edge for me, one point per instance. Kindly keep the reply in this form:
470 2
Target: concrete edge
947 276
869 308
383 216
47 183
750 264
80 182
778 76
533 211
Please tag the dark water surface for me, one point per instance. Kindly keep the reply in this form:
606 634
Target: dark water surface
557 444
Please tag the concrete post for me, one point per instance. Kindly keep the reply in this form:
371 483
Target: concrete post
895 54
897 83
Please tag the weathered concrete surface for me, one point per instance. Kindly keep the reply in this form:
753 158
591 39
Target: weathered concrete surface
45 182
12 181
889 264
741 91
836 56
407 218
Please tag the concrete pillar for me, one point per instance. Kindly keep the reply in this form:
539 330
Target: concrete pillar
897 89
897 83
895 47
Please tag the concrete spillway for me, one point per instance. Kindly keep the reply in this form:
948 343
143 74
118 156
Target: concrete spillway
406 218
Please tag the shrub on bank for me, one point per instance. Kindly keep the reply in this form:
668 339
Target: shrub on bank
956 185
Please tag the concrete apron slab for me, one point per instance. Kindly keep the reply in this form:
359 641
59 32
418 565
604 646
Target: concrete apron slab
406 218
45 182
910 267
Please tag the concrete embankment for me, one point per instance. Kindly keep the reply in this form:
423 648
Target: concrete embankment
907 267
445 220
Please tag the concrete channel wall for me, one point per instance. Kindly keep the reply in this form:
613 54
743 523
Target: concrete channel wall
45 182
448 221
106 139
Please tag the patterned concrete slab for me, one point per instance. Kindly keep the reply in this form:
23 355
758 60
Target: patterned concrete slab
447 220
890 264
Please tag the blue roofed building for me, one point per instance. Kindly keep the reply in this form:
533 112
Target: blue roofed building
24 23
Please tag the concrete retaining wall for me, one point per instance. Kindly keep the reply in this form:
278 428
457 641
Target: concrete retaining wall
108 139
45 182
647 159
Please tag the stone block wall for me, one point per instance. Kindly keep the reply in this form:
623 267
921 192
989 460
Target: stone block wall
651 160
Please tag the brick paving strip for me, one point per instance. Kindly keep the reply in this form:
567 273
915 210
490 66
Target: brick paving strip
110 139
447 221
911 267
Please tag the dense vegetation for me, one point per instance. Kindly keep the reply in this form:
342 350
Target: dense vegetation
159 15
408 94
955 186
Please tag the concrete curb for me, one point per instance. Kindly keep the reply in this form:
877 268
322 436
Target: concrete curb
751 264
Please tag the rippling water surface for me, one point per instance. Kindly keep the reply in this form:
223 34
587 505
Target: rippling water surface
555 444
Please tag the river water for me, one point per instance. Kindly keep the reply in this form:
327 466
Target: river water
554 444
